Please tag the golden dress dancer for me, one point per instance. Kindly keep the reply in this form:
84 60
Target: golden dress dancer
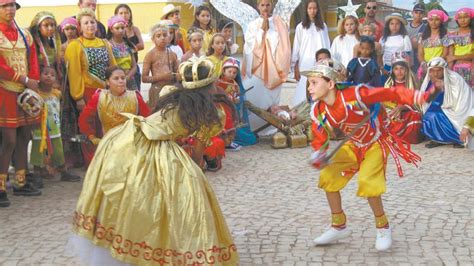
154 205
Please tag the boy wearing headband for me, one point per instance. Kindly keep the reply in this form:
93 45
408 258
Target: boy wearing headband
356 112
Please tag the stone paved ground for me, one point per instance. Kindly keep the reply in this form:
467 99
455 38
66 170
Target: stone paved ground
271 203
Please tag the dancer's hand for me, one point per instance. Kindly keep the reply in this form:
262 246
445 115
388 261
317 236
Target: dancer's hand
319 160
396 112
95 140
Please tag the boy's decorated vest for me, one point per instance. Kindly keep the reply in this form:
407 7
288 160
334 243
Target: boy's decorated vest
15 54
110 107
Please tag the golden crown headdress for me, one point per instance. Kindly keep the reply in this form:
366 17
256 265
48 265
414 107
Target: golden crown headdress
194 63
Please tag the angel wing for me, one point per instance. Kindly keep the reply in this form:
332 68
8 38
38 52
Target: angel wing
236 10
285 8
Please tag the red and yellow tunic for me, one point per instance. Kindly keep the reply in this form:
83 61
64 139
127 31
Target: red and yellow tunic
366 152
108 108
15 61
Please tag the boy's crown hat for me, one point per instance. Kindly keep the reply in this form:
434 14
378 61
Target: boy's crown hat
330 69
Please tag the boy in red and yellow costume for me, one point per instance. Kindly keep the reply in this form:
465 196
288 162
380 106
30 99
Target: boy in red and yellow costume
367 150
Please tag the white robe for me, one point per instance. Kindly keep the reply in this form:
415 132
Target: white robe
260 96
458 101
305 45
342 50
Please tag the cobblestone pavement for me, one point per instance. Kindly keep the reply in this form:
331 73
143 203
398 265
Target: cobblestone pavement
274 209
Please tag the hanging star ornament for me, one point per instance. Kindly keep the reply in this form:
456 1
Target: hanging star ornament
350 9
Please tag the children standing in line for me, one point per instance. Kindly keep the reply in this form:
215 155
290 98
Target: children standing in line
216 53
310 36
364 68
122 49
342 48
433 42
461 56
47 148
161 62
195 38
203 21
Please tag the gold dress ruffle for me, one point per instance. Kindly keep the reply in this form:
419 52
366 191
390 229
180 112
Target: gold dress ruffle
147 202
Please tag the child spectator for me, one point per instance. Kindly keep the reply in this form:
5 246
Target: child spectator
161 62
47 148
323 54
202 20
69 27
108 105
310 36
226 27
195 37
404 120
227 84
433 42
368 29
122 49
342 48
217 53
364 69
43 28
394 40
172 34
461 55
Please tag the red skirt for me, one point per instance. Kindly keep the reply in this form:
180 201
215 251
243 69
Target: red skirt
11 114
408 127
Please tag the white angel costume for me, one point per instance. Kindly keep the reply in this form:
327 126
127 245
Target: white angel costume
305 45
342 48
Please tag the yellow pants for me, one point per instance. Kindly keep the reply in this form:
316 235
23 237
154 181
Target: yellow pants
347 162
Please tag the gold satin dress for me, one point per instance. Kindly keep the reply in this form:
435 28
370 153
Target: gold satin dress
146 202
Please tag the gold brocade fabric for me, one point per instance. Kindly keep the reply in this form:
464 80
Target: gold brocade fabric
16 57
110 107
148 203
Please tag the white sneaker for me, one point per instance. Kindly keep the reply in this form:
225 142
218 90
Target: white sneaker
331 235
384 239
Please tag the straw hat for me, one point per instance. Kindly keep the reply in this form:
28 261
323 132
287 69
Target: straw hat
396 16
168 9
